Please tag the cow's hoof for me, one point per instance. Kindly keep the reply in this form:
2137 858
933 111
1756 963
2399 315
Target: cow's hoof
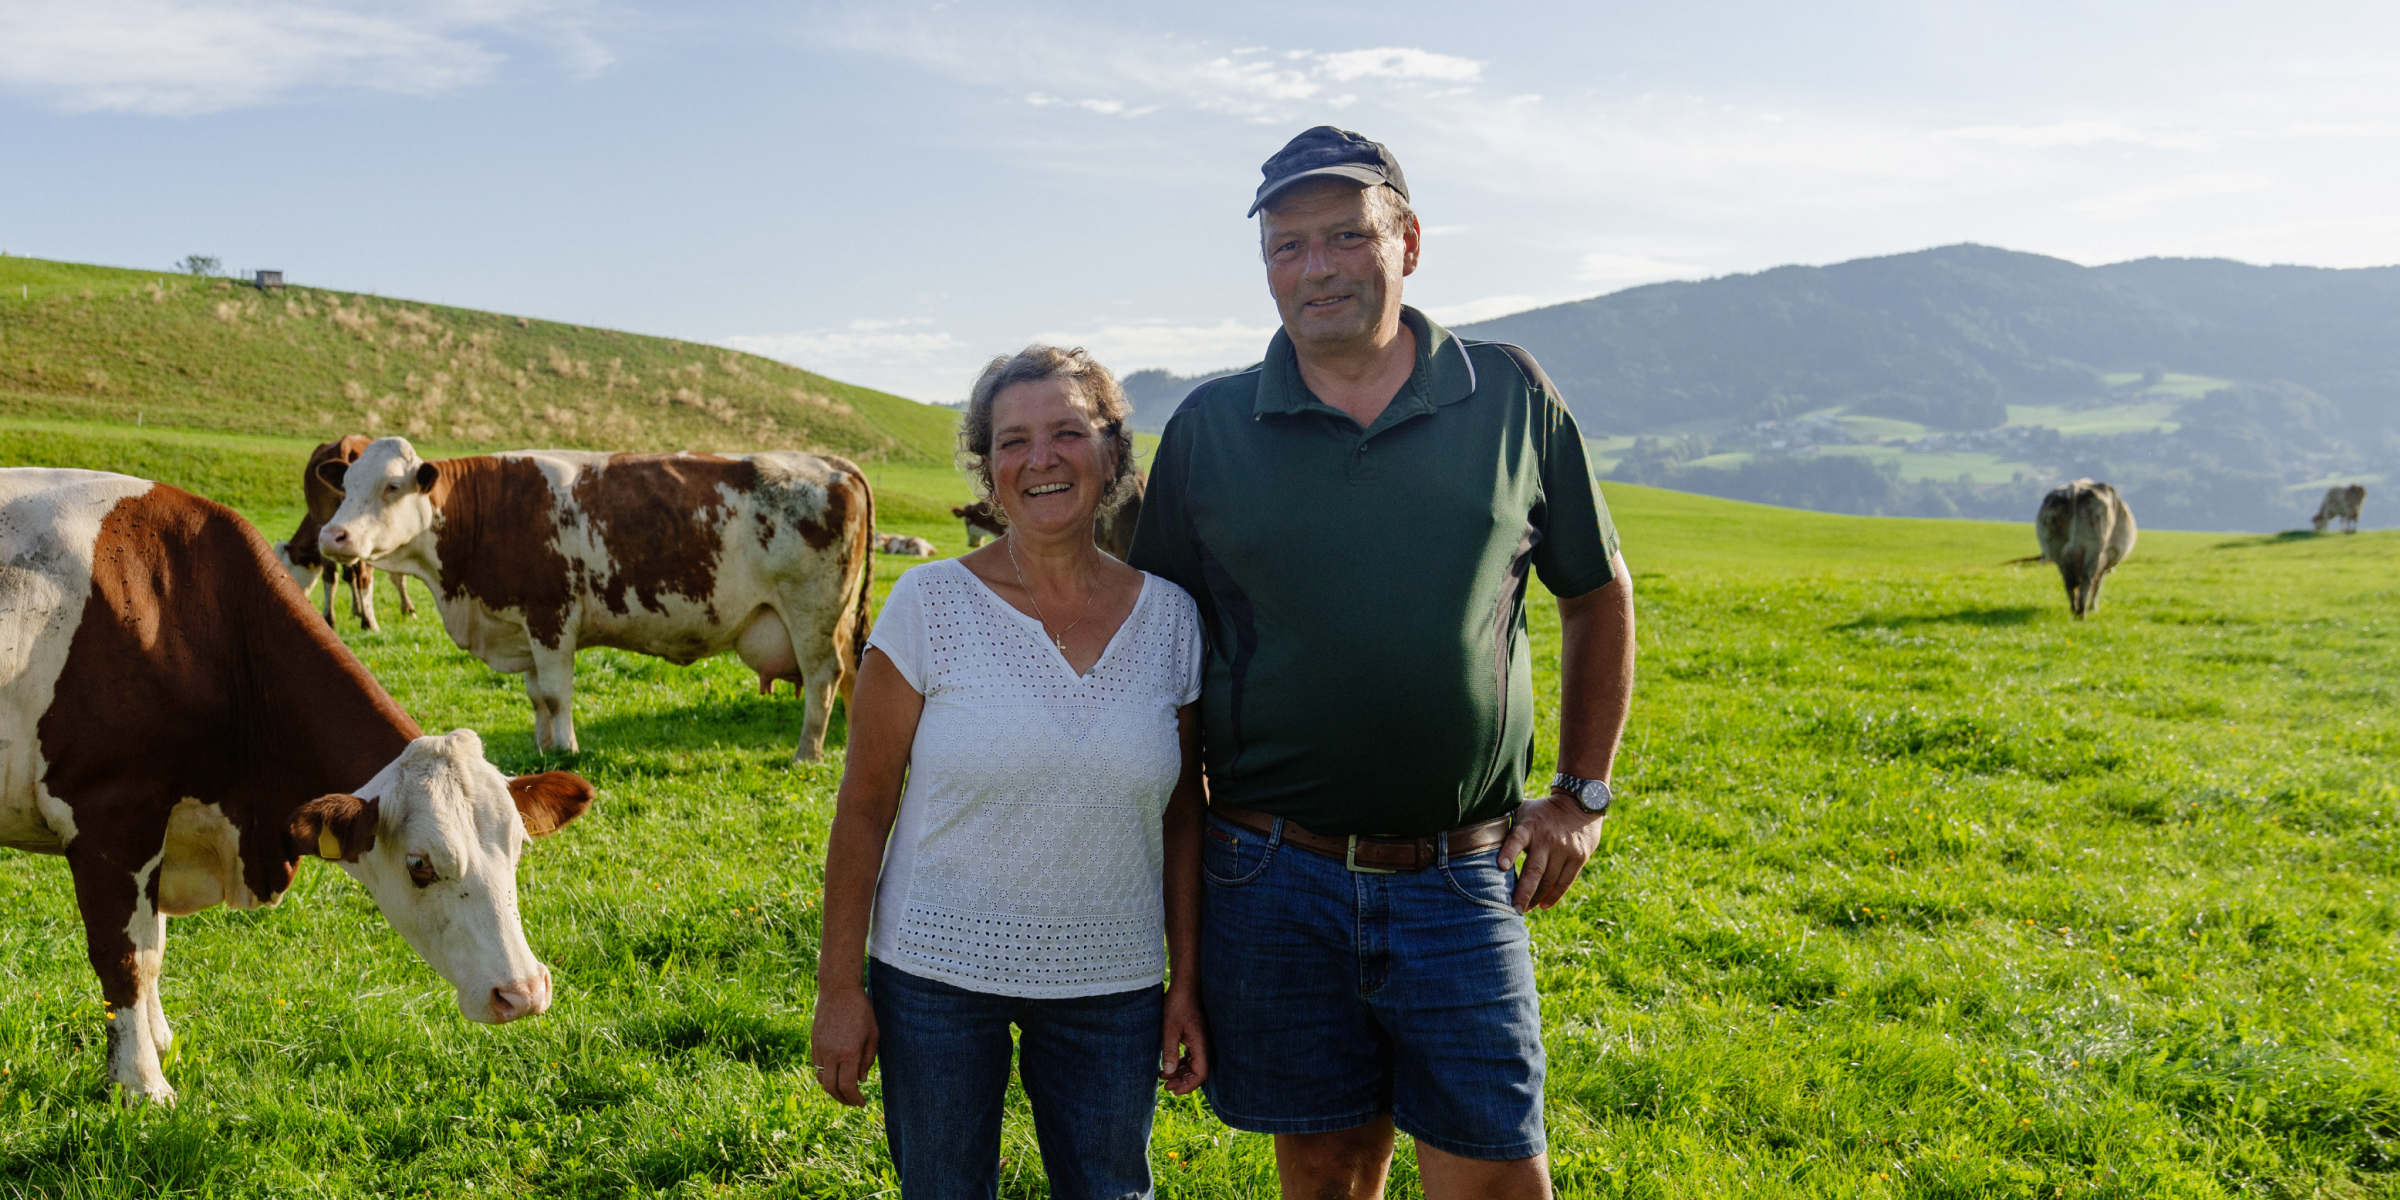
154 1092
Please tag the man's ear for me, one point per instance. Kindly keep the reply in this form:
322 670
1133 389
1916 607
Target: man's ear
332 471
339 826
426 474
550 800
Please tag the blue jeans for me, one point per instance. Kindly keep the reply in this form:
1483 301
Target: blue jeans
1334 996
1090 1066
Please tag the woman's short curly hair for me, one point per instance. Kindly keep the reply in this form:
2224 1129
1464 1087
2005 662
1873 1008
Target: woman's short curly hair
1090 381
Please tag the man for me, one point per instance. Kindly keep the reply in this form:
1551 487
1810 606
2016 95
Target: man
1356 516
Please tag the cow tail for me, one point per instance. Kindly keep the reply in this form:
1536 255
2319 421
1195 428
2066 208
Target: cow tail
862 621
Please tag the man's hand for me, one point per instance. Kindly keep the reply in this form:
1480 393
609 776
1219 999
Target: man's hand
1556 837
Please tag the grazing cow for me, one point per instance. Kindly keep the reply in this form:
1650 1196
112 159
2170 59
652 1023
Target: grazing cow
1113 532
898 543
300 557
983 521
2342 503
179 726
1115 529
535 554
2086 529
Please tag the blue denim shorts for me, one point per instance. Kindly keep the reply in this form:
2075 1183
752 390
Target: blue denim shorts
1334 996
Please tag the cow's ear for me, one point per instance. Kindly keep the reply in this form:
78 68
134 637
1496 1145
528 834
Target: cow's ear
426 474
332 471
339 826
549 800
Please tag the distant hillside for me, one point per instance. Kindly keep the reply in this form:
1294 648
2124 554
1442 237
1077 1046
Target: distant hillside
101 344
1949 337
1155 394
1967 380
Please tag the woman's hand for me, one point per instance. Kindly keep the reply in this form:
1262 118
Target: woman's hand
842 1043
1183 1043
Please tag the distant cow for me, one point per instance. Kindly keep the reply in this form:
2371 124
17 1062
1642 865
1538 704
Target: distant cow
2341 503
299 555
1114 532
535 554
2085 528
983 521
897 543
178 725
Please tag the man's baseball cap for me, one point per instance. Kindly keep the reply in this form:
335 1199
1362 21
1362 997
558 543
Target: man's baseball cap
1326 151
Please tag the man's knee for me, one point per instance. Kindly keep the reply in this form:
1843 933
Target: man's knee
1347 1164
1450 1177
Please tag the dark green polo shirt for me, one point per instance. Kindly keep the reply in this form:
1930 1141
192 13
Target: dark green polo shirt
1364 589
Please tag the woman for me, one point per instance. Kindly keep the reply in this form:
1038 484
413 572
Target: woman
1024 734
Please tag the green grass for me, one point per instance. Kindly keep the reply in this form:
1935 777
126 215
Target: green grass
1978 465
2180 386
101 345
1918 889
2077 421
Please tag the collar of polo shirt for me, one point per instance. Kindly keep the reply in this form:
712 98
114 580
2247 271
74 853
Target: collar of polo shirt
1443 375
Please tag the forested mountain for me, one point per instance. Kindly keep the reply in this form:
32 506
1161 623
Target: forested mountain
1949 336
2217 393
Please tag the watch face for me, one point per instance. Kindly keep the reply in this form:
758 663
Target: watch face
1591 795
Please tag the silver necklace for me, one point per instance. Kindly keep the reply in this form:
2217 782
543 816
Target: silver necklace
1060 638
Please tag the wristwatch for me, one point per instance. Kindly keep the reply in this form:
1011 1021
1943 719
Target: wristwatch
1590 795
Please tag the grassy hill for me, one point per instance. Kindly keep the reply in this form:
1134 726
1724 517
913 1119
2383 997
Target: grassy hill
102 346
1917 889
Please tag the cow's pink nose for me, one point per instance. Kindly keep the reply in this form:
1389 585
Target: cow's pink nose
524 998
333 538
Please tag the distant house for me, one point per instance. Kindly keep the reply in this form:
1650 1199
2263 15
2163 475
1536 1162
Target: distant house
269 279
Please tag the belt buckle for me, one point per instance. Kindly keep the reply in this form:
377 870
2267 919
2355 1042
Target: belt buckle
1352 861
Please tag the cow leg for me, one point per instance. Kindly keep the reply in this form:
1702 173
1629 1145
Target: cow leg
550 685
362 596
817 690
126 939
408 607
330 577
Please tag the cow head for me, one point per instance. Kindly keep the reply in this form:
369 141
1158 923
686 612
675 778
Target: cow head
306 576
435 838
386 501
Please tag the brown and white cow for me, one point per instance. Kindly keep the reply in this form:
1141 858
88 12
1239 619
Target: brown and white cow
535 554
299 555
2086 529
983 521
1113 532
2340 503
178 725
901 543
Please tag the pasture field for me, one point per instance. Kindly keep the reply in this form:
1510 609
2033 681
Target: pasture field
92 344
1918 889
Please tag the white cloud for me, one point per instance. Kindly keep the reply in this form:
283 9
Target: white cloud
183 57
1128 346
2149 199
1398 62
895 355
1617 270
1133 71
1489 307
2079 133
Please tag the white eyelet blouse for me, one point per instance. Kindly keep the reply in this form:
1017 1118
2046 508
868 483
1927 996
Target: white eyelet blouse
1025 859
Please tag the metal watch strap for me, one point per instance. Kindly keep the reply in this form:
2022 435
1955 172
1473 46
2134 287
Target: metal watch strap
1581 789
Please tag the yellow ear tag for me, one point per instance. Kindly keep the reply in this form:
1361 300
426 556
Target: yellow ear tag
328 845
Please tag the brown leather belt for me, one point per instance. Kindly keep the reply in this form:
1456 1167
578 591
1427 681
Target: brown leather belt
1374 855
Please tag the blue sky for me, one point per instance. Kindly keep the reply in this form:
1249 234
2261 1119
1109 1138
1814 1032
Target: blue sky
892 192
